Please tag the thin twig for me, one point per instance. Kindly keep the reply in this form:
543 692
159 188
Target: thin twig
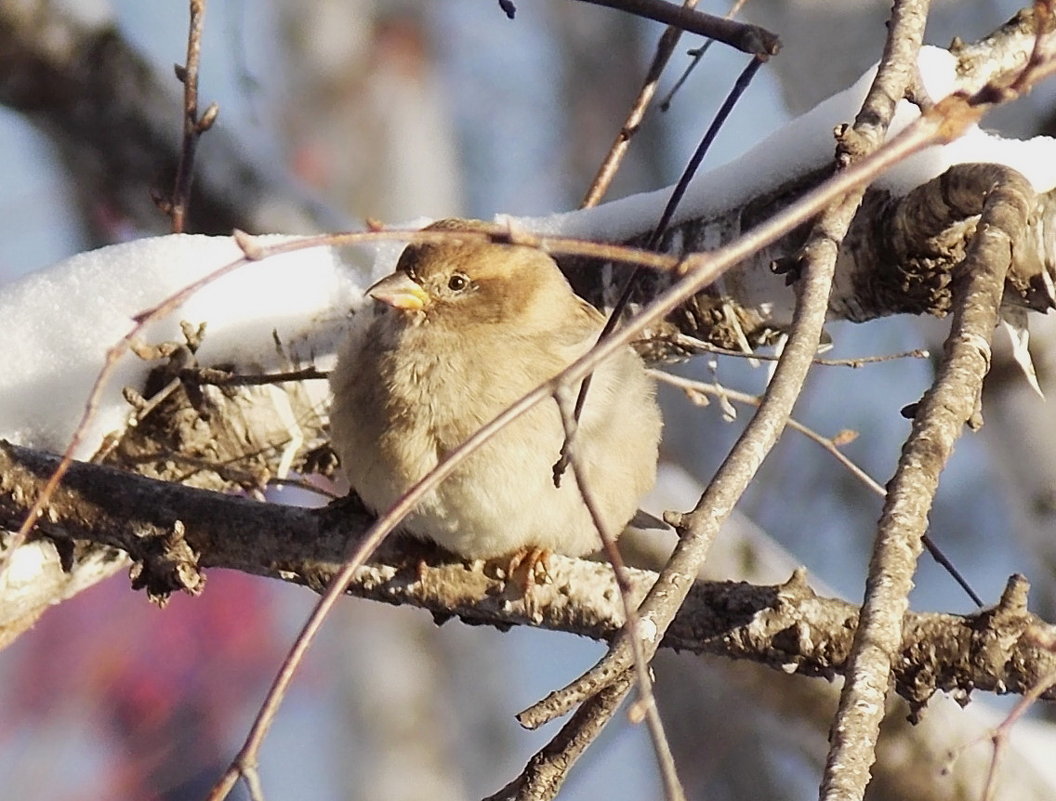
697 55
611 163
193 126
647 703
588 717
693 345
690 386
739 87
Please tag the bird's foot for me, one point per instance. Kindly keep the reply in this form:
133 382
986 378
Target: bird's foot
528 567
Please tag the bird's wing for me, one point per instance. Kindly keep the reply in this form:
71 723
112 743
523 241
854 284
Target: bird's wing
580 331
585 309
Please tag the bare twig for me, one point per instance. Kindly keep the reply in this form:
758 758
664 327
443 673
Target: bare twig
661 227
1002 733
697 55
690 387
110 116
646 702
693 345
193 125
736 92
750 39
693 388
611 163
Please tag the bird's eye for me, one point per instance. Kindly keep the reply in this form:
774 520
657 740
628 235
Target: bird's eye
457 282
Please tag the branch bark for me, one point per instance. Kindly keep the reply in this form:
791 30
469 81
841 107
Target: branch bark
175 533
952 401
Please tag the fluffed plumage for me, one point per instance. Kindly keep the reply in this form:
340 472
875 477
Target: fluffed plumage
469 328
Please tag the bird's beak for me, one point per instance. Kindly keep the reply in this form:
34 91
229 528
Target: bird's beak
400 291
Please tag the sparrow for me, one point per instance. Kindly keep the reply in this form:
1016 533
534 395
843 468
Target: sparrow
465 330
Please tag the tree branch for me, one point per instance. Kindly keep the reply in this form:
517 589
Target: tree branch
786 627
747 38
952 401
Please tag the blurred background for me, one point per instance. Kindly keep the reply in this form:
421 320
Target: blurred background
337 110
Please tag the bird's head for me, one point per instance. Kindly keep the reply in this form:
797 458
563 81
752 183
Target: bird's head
469 283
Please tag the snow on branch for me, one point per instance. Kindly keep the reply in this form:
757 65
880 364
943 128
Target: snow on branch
755 301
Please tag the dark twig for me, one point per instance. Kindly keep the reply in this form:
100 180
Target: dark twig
749 39
737 91
193 125
698 528
611 164
677 194
697 55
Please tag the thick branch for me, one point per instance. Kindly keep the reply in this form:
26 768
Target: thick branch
950 403
787 627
